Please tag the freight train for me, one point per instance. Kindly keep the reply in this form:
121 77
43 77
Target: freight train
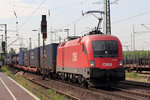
92 60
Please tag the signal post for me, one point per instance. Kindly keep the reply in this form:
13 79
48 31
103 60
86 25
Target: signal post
44 33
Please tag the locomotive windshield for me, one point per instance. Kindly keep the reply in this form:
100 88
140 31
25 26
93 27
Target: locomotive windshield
105 48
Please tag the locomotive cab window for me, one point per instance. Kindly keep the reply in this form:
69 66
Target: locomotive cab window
105 48
84 49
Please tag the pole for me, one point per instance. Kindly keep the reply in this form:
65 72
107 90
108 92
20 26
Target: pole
1 46
133 38
74 29
43 78
51 36
107 22
131 41
30 44
38 39
67 30
5 52
2 38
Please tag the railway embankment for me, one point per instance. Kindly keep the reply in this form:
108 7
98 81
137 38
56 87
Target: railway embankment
40 92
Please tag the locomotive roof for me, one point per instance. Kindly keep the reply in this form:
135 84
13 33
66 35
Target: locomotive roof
88 38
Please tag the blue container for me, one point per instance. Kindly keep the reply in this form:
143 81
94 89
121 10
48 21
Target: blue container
10 60
21 58
34 57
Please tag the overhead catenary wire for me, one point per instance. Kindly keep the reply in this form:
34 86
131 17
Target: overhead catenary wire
72 4
132 17
32 14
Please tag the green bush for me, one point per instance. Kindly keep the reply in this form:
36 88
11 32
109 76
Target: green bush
5 69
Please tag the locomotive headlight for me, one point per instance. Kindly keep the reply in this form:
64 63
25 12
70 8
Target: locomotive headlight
92 63
120 62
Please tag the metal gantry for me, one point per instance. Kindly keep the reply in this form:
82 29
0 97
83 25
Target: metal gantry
107 20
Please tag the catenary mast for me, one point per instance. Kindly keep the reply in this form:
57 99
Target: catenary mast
107 21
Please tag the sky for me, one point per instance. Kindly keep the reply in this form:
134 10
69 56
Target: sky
67 14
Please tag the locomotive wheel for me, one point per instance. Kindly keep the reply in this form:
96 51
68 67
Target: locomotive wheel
129 70
63 76
80 80
43 78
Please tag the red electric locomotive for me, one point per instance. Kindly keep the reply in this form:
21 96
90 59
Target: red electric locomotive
95 60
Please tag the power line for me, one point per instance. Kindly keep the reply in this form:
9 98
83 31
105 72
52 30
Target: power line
141 14
74 21
72 4
31 14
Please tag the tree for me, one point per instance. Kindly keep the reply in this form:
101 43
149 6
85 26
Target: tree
12 51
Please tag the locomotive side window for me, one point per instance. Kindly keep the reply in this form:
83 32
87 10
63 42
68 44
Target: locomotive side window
105 48
84 49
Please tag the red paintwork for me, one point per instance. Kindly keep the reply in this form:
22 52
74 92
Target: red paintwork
29 69
32 69
19 66
25 68
65 53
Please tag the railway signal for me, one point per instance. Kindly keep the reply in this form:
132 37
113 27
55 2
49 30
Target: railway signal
44 27
3 46
44 33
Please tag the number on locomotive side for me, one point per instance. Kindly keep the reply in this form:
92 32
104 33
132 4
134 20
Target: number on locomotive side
74 56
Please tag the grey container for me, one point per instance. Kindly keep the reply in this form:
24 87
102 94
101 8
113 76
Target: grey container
15 59
27 58
34 57
50 57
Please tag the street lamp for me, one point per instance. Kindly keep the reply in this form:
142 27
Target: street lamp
67 30
38 36
54 32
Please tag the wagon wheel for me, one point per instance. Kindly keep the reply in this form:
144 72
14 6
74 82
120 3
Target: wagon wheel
80 80
129 69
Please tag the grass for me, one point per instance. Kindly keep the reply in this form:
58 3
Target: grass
40 92
135 77
5 69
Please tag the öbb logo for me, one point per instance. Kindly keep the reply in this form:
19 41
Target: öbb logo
107 64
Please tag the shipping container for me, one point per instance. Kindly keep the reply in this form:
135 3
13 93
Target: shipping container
15 59
21 58
34 57
10 59
27 58
50 57
7 60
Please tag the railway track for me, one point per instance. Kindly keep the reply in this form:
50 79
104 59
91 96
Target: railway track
72 91
75 92
134 94
48 87
141 84
117 95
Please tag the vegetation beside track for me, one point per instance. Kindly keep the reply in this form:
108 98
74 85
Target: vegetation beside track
136 77
40 92
137 54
